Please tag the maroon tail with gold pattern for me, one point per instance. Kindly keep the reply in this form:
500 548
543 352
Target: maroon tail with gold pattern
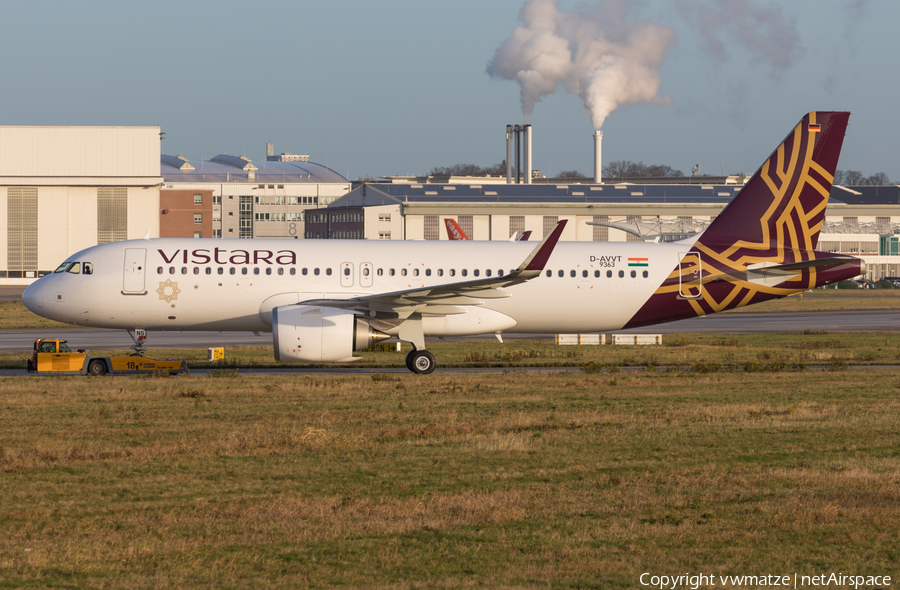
763 244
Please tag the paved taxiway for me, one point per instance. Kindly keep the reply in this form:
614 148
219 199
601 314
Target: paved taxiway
727 323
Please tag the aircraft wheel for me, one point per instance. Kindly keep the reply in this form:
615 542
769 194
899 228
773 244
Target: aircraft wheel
97 368
421 362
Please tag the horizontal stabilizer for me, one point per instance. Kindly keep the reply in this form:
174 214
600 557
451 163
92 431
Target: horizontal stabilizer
770 273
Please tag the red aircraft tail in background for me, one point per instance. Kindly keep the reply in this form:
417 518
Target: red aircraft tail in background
454 232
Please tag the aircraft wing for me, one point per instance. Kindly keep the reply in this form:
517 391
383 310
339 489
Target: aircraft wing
444 299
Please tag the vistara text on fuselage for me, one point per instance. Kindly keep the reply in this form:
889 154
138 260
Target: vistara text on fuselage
324 299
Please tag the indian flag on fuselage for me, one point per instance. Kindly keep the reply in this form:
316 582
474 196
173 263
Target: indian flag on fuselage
638 262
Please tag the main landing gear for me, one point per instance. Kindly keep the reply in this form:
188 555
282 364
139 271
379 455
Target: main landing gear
420 362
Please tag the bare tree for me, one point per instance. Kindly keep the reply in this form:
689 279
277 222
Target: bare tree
469 170
627 168
853 178
571 174
878 179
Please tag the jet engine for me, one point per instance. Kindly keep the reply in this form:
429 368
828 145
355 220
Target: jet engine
311 333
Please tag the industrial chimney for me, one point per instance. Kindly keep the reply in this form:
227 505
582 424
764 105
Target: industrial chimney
518 131
527 174
598 166
509 154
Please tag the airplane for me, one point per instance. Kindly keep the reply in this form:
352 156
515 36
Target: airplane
454 232
323 300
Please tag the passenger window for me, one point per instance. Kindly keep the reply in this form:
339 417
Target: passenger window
633 273
244 270
621 273
452 272
347 271
464 272
159 270
89 268
500 273
184 270
549 273
487 273
475 272
427 272
596 274
380 272
196 270
171 270
232 270
328 271
440 272
415 272
402 272
256 270
365 272
609 274
562 273
220 271
392 272
294 271
584 273
303 272
316 271
269 271
208 270
572 273
646 274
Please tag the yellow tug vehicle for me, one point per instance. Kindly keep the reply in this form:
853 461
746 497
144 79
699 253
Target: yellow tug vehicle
54 356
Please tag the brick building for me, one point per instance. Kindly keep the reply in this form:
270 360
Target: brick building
186 213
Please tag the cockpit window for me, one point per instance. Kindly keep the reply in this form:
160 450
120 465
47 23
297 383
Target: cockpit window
64 267
88 268
75 268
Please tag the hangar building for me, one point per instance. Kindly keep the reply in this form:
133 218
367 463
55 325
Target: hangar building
63 189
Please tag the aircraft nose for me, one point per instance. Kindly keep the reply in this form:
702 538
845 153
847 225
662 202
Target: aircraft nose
32 297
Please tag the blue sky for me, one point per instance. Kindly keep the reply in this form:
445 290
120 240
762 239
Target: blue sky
400 86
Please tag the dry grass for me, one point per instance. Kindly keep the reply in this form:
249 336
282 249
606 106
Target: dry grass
510 480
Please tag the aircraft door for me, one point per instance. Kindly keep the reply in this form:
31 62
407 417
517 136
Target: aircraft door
134 270
346 274
690 275
365 274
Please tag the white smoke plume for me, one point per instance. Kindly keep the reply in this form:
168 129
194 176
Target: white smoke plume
593 52
766 33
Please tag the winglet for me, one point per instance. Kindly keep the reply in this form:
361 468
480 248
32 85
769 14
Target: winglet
541 254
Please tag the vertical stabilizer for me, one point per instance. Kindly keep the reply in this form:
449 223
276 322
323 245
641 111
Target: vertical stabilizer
783 205
763 245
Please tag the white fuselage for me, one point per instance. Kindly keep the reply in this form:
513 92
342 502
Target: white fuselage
193 284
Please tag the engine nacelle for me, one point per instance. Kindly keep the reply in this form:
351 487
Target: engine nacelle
312 333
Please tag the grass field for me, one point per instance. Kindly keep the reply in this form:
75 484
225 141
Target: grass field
515 480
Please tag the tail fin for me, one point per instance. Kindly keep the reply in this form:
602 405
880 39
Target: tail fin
783 205
454 232
762 246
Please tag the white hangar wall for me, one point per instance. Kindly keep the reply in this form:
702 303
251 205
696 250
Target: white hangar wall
63 189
